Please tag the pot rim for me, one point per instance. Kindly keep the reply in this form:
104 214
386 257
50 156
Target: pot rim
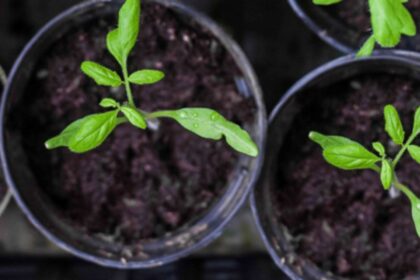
408 57
260 114
320 32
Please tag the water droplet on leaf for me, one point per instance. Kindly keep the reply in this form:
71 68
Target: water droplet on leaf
195 125
183 115
213 116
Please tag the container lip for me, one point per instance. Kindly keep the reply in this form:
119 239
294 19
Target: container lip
408 57
396 55
318 30
243 64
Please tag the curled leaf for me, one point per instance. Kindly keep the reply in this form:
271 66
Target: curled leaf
326 141
210 124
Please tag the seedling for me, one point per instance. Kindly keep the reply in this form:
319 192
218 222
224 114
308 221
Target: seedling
347 154
91 131
390 19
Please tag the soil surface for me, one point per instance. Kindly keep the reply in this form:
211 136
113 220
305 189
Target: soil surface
343 220
139 184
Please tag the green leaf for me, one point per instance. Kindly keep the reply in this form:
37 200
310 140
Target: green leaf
326 2
387 174
146 77
377 146
415 209
62 140
210 124
414 152
134 117
350 157
416 125
326 141
367 48
102 75
92 132
109 103
121 41
114 47
390 19
129 25
408 26
393 125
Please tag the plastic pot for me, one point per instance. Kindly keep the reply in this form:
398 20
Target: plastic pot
335 32
36 205
275 234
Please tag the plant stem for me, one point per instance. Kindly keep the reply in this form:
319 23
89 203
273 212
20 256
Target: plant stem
159 114
127 86
404 189
403 149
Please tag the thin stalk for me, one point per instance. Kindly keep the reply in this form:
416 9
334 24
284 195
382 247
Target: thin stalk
405 190
159 114
127 86
403 149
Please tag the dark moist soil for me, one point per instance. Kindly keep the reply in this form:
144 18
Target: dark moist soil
138 184
355 14
343 220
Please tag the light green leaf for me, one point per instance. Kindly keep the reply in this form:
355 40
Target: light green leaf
415 209
129 25
390 19
146 77
62 140
326 2
109 103
92 132
121 41
134 117
367 48
102 75
414 152
350 157
377 146
326 141
393 125
114 47
416 125
408 26
387 175
210 124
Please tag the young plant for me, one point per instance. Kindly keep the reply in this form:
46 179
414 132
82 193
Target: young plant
347 154
390 19
91 131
